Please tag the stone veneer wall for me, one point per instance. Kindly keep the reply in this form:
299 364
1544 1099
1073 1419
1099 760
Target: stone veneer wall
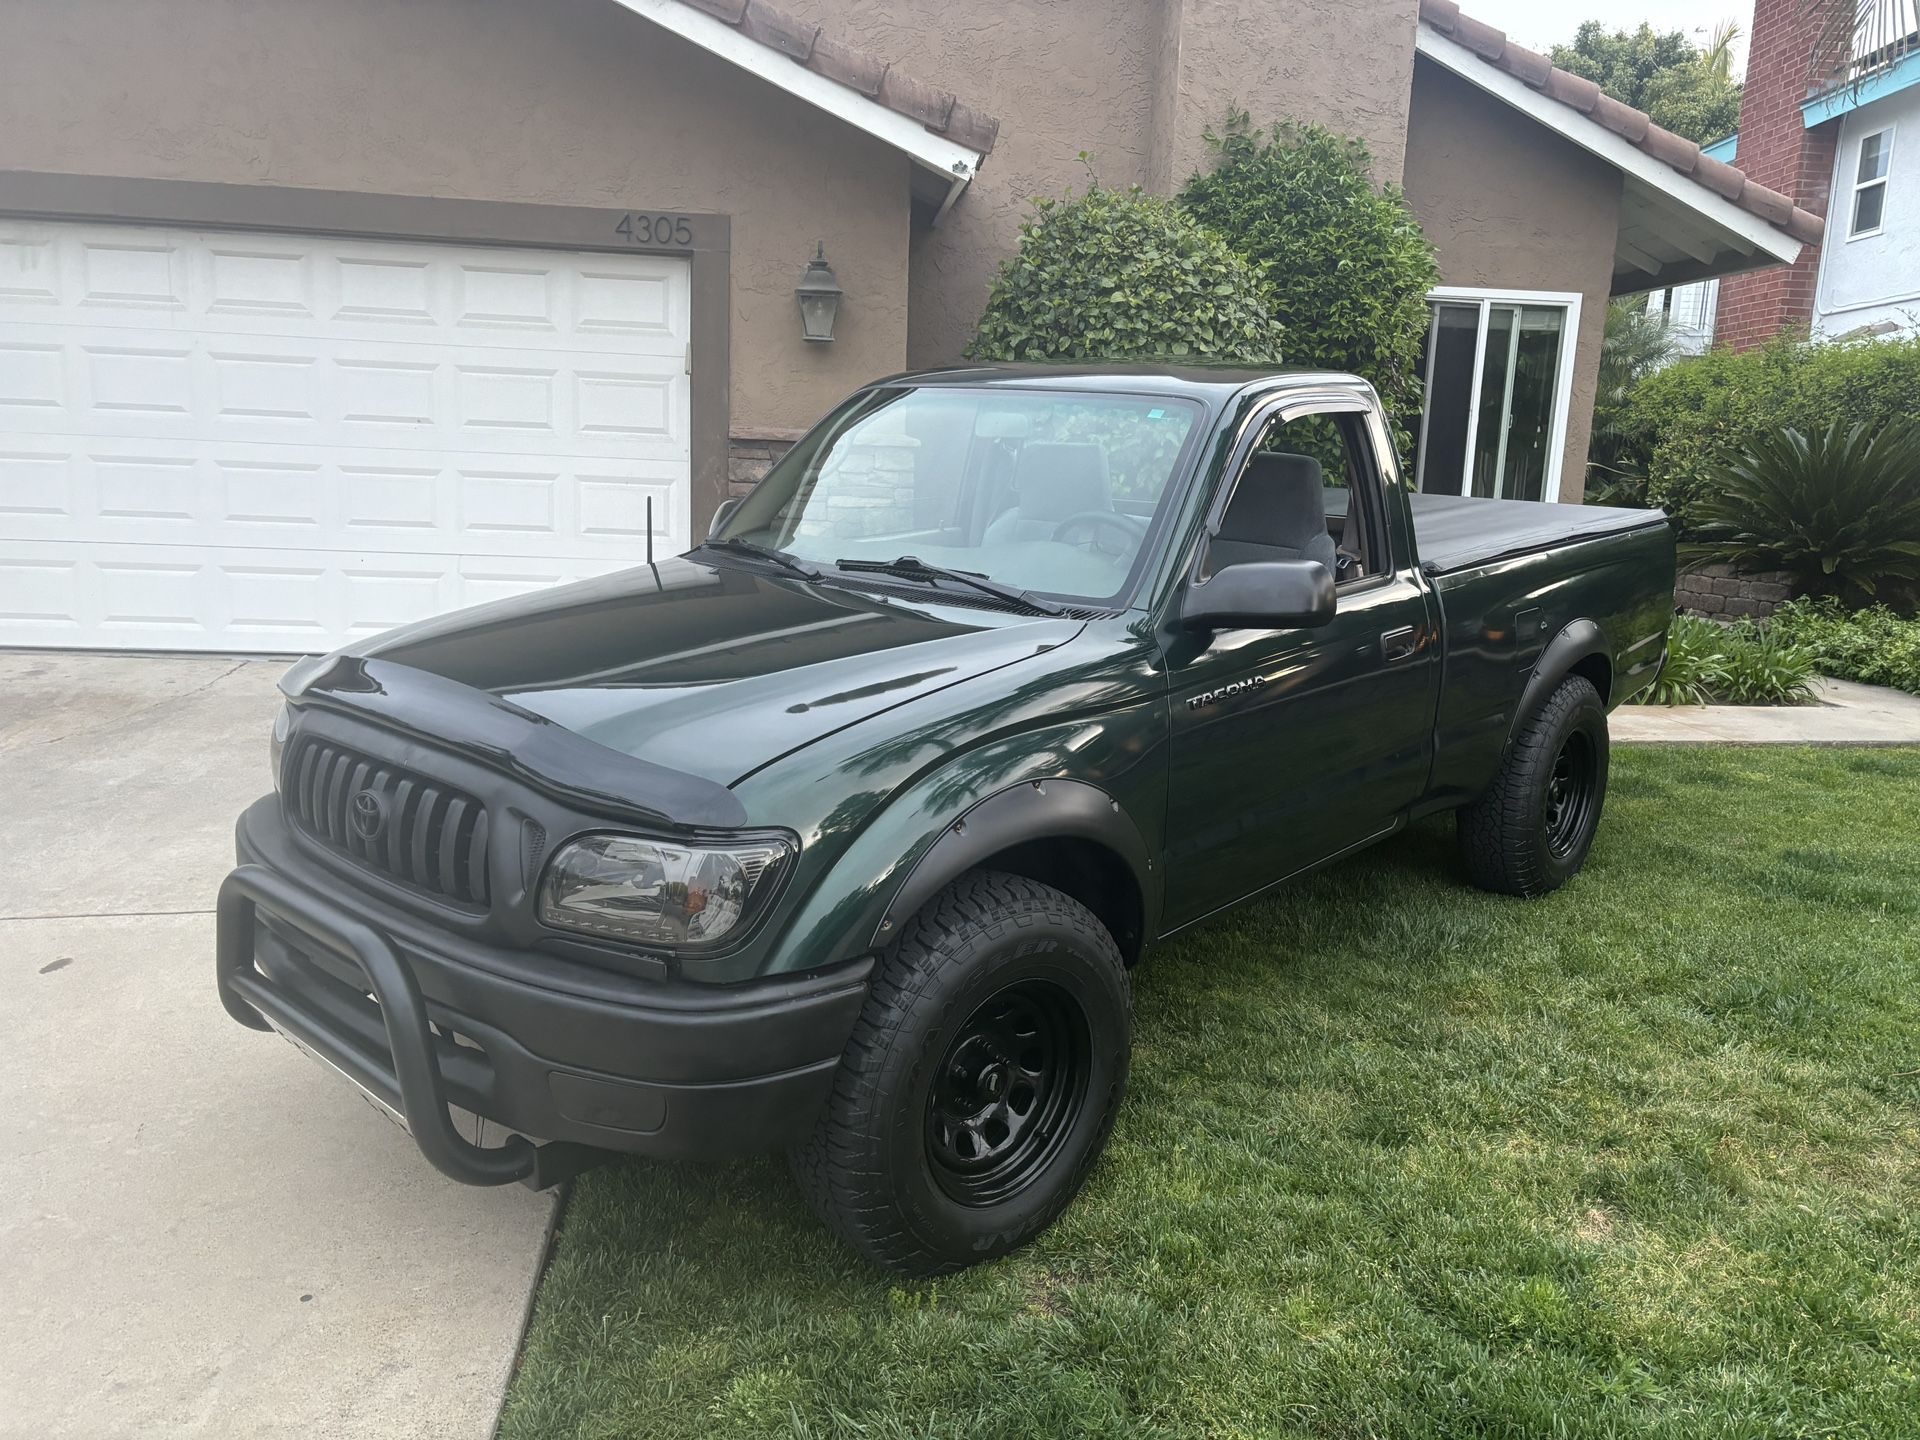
752 453
1723 592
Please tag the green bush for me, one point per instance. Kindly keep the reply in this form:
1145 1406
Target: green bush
1681 423
1874 646
1743 664
1120 274
1346 266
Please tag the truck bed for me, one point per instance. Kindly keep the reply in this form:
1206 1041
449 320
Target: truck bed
1457 532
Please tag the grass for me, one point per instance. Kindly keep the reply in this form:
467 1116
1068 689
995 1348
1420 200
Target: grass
1398 1159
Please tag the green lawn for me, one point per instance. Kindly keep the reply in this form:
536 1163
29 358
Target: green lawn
1398 1159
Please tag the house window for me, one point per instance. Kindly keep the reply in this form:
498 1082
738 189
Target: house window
1870 184
1499 382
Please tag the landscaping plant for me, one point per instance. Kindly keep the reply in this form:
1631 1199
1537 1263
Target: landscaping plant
1345 265
1681 423
1742 664
1121 274
1838 508
1873 646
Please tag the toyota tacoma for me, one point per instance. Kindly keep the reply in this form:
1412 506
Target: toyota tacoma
840 833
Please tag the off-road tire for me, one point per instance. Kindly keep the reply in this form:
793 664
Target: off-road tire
1510 838
872 1168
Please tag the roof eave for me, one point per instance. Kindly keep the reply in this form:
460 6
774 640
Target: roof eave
955 164
1740 239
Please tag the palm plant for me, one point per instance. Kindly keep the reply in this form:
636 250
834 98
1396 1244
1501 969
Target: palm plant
1839 509
1857 40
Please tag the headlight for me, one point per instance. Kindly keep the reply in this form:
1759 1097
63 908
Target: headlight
653 892
277 746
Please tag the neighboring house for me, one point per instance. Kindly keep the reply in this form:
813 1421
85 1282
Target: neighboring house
318 318
1849 151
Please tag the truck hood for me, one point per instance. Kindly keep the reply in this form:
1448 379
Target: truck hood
712 670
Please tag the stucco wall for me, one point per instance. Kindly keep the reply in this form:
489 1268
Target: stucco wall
572 102
1874 280
1062 76
1134 83
1509 204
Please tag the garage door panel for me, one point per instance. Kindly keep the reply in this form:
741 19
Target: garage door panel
125 381
217 283
192 598
132 492
234 441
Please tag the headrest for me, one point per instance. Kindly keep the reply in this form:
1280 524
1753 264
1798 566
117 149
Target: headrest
1281 500
1053 479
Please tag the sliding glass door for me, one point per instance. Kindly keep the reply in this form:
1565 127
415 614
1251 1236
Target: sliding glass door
1499 381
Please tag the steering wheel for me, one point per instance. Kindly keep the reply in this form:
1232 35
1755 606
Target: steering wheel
1131 529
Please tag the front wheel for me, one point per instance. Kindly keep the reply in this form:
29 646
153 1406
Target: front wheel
1531 831
980 1083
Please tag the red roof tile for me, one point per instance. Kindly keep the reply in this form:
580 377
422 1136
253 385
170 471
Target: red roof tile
1633 126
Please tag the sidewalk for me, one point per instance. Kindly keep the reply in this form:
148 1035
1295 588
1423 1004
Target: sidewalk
1847 714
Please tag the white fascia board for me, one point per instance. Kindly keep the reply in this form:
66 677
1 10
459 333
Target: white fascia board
953 162
1593 137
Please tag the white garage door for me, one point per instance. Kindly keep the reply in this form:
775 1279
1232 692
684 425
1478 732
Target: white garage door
230 441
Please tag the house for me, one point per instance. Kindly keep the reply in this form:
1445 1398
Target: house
1838 150
318 318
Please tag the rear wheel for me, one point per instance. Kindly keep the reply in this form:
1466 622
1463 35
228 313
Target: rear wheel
1531 831
980 1083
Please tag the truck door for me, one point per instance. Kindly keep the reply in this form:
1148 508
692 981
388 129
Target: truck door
1290 746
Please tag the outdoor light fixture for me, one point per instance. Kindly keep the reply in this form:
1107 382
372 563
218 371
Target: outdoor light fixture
819 296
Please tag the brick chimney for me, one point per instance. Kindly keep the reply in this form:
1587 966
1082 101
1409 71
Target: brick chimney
1778 151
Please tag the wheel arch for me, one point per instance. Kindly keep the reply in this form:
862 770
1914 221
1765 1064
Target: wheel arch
1579 649
1065 833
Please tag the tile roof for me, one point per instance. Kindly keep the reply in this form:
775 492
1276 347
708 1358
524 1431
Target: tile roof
1629 124
939 110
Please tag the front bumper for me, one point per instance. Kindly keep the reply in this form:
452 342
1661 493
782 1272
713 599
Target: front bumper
551 1049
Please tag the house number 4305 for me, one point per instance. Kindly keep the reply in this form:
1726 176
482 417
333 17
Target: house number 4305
637 229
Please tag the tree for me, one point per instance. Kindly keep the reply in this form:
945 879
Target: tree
1689 91
1637 344
1121 274
1346 267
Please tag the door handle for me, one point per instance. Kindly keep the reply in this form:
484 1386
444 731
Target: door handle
1398 644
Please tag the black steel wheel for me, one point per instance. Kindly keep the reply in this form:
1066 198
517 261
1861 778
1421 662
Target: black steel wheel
1531 831
1007 1092
981 1081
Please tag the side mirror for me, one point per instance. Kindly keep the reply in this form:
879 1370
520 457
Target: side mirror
721 516
1261 595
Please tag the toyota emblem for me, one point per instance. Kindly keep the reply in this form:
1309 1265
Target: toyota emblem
367 813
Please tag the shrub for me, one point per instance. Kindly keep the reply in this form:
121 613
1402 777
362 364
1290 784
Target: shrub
1838 509
1685 420
1120 274
1637 344
1874 646
1696 661
1708 664
1346 266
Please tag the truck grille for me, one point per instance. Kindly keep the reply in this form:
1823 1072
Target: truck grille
424 835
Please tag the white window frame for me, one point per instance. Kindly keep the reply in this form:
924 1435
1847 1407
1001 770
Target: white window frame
1857 185
1567 300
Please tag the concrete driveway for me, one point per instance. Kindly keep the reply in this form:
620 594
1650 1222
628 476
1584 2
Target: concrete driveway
201 1232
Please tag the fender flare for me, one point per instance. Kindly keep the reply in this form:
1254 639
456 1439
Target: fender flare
1025 810
1579 640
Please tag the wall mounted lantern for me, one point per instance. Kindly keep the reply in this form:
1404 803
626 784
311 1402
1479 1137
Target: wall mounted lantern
819 296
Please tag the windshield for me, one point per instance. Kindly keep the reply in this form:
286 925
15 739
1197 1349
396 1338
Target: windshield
1042 491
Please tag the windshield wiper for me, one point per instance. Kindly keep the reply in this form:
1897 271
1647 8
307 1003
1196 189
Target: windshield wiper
912 567
792 564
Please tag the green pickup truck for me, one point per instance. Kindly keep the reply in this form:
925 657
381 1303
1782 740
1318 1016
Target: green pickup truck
840 833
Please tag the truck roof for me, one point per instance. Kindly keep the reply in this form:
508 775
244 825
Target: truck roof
1196 379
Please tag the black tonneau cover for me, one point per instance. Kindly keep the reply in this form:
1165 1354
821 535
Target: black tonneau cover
1458 532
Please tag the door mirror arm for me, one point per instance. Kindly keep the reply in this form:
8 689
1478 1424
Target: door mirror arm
722 515
1261 595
